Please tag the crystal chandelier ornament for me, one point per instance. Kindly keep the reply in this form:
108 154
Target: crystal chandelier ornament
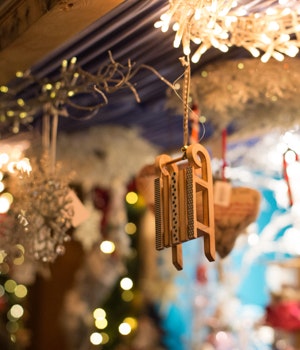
265 28
45 212
43 206
36 202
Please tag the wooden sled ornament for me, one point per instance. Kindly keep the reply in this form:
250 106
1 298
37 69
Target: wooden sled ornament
177 190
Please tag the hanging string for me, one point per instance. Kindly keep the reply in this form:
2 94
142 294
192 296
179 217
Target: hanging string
185 97
53 142
286 175
224 145
49 134
46 130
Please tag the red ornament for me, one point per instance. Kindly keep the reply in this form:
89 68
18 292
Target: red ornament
284 315
101 200
202 274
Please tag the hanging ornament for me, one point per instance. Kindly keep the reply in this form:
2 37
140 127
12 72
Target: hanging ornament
181 184
45 206
291 174
45 214
232 219
235 208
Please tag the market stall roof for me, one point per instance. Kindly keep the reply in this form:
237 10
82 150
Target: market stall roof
126 29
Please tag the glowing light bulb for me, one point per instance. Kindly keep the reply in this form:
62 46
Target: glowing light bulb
16 311
4 205
126 283
107 247
101 324
124 328
99 314
131 198
130 228
96 338
131 321
20 291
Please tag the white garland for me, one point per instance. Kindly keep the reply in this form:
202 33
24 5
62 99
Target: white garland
103 153
252 94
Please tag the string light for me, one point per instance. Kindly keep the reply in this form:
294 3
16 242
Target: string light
273 31
96 338
126 283
59 97
107 247
130 228
131 197
124 328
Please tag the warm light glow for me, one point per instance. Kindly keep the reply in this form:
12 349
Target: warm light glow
16 311
131 198
124 328
10 286
130 228
8 196
96 338
20 291
4 205
132 322
223 24
127 295
126 283
101 324
105 338
99 314
4 89
107 247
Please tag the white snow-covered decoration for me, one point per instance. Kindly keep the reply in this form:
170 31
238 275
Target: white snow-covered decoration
102 153
252 94
88 233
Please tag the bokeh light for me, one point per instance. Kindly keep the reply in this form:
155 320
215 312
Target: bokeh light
131 198
124 328
4 205
96 338
130 228
132 322
105 338
101 323
16 311
10 286
20 291
99 314
107 247
127 295
126 283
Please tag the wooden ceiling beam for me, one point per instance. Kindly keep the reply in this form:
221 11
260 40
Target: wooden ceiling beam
29 30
